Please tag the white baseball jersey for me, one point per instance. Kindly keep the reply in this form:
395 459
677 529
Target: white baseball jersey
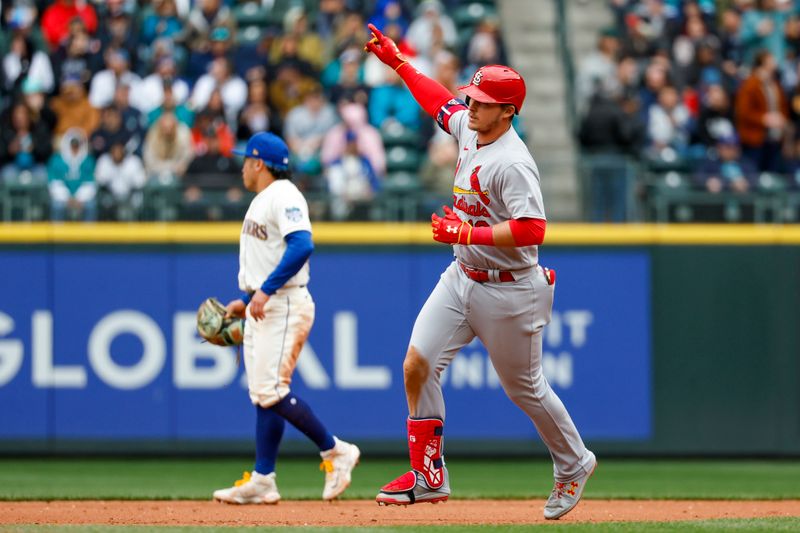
275 212
493 184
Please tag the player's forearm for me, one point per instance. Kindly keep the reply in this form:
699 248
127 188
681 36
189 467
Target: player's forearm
511 233
429 93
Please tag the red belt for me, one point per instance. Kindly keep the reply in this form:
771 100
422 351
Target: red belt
482 276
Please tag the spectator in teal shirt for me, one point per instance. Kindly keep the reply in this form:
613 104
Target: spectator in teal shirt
764 28
70 174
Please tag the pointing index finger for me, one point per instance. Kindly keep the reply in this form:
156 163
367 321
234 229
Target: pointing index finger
375 31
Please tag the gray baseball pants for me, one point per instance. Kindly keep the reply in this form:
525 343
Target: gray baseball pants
508 318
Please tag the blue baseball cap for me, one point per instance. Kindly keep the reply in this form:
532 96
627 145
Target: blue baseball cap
269 148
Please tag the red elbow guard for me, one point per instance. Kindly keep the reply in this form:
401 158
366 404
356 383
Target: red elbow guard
527 231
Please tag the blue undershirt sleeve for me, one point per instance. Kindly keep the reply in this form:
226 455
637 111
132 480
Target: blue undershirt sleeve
298 249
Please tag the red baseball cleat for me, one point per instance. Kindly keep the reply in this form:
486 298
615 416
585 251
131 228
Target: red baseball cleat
412 488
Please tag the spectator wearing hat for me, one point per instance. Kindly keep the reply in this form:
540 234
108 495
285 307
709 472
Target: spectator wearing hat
21 18
150 94
70 175
220 46
348 84
120 176
73 109
25 144
56 19
23 62
724 169
205 16
232 88
367 138
38 106
105 82
761 115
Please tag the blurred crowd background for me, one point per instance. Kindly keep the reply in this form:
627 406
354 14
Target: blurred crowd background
690 110
129 110
686 110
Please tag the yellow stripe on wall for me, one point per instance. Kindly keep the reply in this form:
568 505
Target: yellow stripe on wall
396 234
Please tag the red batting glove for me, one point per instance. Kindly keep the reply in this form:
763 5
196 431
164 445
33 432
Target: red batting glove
450 229
384 48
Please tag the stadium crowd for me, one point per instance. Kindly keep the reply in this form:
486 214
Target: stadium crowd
706 89
107 101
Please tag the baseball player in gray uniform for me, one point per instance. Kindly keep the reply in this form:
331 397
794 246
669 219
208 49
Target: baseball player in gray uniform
495 289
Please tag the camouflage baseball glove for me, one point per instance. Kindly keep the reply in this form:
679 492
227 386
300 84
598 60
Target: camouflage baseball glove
214 327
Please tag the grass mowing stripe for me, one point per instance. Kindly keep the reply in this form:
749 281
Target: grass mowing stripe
755 525
299 478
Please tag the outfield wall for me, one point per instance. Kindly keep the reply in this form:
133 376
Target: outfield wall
663 341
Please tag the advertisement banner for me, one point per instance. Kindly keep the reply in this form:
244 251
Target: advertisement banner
101 344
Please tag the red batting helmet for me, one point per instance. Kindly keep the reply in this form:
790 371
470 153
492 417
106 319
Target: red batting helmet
496 84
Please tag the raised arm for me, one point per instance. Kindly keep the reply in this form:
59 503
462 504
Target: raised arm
430 94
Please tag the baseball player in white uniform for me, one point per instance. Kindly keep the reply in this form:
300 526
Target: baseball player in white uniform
274 248
495 288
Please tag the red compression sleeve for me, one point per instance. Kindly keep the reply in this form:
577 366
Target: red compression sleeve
482 235
527 231
430 94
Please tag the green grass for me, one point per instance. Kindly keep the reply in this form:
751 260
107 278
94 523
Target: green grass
750 525
44 479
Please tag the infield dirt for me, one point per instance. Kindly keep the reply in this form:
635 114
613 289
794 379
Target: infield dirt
368 513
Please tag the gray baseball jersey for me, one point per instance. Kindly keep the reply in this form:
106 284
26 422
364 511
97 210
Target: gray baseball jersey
493 184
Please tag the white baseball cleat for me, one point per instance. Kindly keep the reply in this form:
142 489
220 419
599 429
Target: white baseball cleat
566 495
338 464
252 488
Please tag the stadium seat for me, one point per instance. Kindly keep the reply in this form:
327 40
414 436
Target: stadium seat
160 199
402 158
24 197
395 134
470 15
400 197
249 35
252 14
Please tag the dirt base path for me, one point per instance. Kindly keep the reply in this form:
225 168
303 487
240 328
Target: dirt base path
367 513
